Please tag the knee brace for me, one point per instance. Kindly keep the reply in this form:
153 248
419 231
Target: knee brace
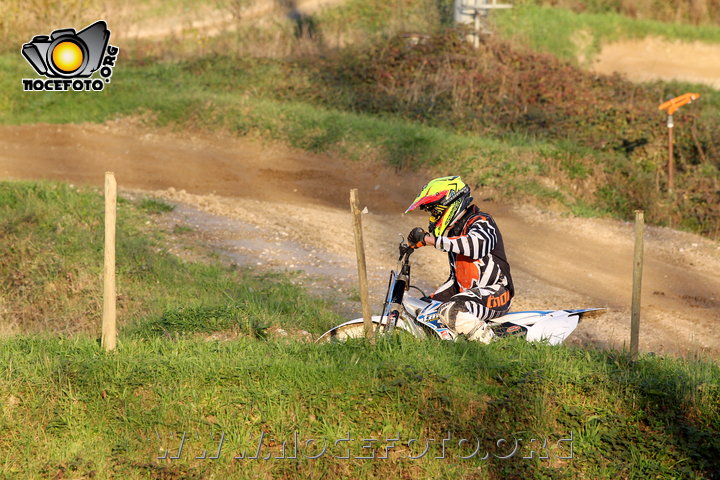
457 318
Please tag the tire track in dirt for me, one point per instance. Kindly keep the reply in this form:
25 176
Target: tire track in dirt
265 203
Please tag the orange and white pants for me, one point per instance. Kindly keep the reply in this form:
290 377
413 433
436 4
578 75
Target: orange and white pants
467 312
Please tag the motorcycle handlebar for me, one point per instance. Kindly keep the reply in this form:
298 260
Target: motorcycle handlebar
405 250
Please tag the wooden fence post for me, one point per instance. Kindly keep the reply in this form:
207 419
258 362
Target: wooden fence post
109 331
637 284
362 267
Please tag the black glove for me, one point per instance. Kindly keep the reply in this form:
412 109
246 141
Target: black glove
416 238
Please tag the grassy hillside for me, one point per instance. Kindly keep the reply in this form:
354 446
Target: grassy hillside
72 411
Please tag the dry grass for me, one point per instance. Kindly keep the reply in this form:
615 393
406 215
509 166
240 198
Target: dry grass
21 20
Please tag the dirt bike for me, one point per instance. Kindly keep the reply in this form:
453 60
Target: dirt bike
419 316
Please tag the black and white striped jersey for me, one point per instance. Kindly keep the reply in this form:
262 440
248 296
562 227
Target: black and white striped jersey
476 254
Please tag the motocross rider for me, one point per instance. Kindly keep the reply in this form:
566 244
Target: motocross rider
480 286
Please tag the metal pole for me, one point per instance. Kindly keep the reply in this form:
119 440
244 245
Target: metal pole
476 38
637 284
671 159
109 330
362 267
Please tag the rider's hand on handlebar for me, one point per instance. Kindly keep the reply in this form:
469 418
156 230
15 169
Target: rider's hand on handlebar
416 238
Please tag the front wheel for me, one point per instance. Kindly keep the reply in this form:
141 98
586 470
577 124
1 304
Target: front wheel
356 329
342 333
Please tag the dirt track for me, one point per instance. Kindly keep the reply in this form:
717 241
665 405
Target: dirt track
655 58
277 208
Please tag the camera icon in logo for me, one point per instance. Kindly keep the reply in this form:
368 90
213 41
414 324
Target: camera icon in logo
66 53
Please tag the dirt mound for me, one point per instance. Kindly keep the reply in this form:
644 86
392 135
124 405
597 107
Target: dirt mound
655 58
274 207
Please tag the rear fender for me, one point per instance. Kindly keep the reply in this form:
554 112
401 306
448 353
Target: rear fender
553 328
527 318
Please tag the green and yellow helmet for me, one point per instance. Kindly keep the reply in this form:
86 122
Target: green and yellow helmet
446 198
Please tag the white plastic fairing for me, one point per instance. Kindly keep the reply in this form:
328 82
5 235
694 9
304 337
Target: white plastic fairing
414 305
555 329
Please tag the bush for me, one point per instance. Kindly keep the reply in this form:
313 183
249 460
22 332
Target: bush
505 91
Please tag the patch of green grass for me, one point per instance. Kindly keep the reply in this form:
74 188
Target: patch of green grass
202 319
153 205
366 20
181 229
582 208
70 408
